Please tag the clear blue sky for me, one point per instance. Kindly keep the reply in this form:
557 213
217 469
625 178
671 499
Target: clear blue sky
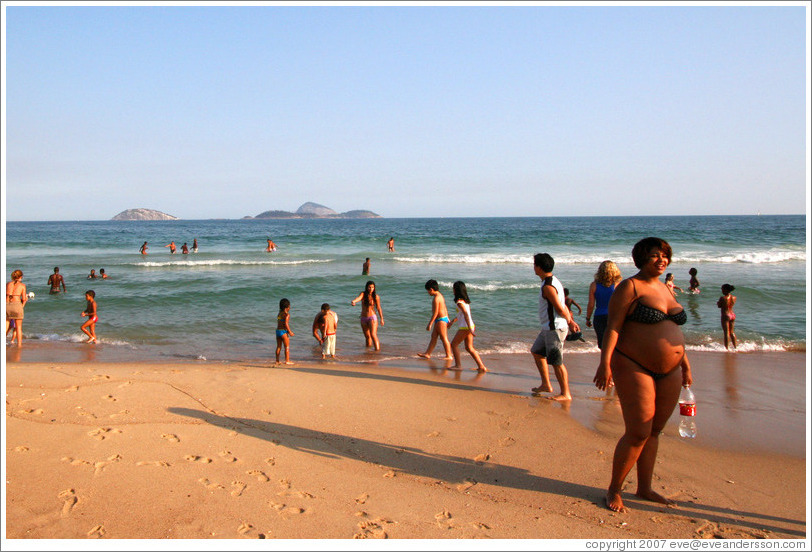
538 110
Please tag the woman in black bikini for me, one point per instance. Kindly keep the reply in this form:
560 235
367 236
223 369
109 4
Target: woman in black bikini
644 330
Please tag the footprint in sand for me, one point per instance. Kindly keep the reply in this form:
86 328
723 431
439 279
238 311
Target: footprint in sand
239 487
159 463
362 499
37 411
72 389
462 487
284 509
259 475
99 377
244 528
507 441
389 474
433 434
99 466
484 457
97 531
21 449
101 432
209 484
75 461
270 461
195 458
120 413
479 525
171 437
443 519
227 456
110 398
125 384
70 500
372 529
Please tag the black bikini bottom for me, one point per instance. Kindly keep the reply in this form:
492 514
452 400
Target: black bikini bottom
654 375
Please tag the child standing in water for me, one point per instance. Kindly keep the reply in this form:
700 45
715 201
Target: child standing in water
89 327
669 283
283 331
438 324
465 328
693 286
726 302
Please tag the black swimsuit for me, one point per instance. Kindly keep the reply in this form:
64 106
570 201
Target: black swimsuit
649 315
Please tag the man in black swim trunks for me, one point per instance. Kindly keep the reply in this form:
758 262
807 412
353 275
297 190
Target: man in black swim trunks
55 280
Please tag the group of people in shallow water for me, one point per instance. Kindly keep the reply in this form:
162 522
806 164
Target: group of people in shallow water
637 322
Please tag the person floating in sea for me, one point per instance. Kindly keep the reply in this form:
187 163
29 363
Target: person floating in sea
370 303
555 319
172 248
89 327
326 323
365 268
391 245
194 246
184 249
283 331
438 323
102 274
693 285
143 249
726 302
644 356
669 283
271 246
466 330
92 275
55 280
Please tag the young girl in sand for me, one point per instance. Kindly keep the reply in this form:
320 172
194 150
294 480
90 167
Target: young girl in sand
89 327
726 302
283 331
370 302
465 328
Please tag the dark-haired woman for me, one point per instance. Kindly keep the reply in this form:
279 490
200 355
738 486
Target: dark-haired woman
643 351
370 303
465 328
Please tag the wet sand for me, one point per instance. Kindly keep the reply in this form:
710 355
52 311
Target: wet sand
393 449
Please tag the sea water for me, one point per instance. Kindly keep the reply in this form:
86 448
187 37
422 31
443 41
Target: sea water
221 303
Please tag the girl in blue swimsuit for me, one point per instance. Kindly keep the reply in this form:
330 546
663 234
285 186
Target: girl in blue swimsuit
283 331
649 368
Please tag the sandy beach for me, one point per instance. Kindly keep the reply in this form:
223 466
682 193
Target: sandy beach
98 450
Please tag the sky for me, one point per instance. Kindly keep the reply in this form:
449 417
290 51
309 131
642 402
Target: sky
411 110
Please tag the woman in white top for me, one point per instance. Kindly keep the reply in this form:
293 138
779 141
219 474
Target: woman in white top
465 328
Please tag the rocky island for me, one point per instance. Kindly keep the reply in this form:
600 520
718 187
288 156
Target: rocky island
143 214
312 210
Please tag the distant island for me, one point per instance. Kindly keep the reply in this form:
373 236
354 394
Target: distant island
312 210
143 214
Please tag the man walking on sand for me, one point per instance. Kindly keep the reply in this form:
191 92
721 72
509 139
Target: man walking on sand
555 319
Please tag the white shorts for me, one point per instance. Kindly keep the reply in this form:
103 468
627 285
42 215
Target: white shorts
329 345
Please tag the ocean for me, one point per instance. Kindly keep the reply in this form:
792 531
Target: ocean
220 304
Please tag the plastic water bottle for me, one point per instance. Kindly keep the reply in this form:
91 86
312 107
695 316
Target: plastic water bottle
687 413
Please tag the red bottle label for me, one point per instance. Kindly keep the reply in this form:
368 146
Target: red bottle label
687 409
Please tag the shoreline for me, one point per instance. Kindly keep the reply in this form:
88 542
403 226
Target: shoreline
741 406
331 450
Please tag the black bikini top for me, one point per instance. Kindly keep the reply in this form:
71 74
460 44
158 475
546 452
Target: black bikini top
649 315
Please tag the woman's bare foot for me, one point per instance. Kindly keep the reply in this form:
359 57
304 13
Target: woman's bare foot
91 340
614 502
423 355
481 369
542 389
561 398
654 497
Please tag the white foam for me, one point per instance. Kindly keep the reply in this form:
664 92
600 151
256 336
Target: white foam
226 262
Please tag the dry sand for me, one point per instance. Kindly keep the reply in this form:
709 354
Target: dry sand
343 451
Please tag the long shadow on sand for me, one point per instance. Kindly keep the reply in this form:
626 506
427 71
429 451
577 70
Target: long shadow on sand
453 470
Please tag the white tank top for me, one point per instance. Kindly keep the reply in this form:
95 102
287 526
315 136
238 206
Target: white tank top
462 322
548 316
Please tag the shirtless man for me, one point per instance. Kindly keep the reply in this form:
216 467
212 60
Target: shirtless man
55 280
172 248
365 268
326 324
438 324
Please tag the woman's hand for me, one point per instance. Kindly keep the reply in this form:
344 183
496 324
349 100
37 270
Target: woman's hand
603 377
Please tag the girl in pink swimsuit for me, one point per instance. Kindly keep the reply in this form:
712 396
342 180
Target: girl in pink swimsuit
370 302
